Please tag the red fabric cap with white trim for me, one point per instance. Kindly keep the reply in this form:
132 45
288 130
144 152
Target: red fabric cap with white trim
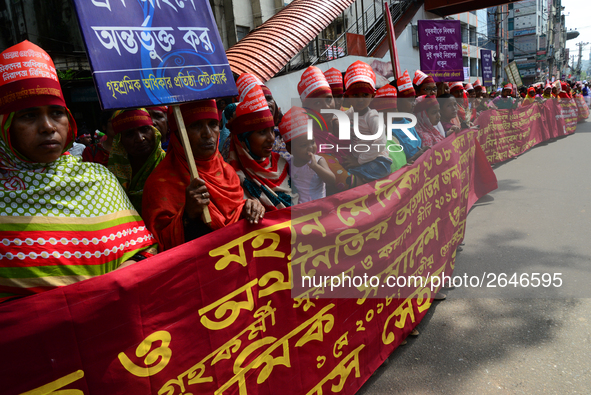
455 86
424 102
294 124
194 111
252 113
419 77
469 87
360 72
477 84
385 98
313 84
245 83
335 79
29 79
405 88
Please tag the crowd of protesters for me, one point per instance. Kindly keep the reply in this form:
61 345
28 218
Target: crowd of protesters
73 207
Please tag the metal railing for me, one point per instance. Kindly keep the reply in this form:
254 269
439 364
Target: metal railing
371 24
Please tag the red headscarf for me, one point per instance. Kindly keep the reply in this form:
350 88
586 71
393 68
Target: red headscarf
164 192
23 87
123 120
428 132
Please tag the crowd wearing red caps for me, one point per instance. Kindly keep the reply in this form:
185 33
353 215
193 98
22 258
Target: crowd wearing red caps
251 158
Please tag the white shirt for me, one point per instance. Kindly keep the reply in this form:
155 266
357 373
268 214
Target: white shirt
77 149
307 183
368 125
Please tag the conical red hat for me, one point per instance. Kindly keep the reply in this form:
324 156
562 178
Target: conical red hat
419 77
293 124
313 83
360 72
29 78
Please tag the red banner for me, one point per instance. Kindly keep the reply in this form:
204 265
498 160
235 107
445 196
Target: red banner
582 107
216 315
505 134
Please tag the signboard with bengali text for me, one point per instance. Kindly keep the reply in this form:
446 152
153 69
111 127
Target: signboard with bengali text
153 52
486 64
440 47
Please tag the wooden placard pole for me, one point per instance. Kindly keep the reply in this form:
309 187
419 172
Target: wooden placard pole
392 42
178 116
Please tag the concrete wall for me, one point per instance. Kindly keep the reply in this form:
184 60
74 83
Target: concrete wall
269 8
243 13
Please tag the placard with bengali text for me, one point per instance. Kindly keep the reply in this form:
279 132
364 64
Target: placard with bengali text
152 52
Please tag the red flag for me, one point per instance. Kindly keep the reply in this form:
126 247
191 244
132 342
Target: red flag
392 42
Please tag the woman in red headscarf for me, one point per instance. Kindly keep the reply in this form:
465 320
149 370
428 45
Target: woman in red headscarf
530 98
61 220
424 84
429 126
565 91
263 173
173 204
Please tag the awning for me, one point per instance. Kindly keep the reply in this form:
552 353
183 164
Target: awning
268 48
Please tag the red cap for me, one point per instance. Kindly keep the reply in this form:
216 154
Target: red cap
405 88
163 109
313 84
194 111
424 102
252 113
469 87
455 86
294 124
530 90
335 80
386 99
28 79
477 84
508 86
419 77
123 120
360 72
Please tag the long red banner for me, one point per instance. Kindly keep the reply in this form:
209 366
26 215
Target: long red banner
505 134
217 315
582 108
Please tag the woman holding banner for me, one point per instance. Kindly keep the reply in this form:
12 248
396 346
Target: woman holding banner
316 95
62 220
263 173
173 204
136 151
429 126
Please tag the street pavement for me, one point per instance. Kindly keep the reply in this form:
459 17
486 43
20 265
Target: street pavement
513 340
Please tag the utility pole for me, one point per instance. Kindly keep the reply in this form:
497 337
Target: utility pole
581 45
554 37
498 38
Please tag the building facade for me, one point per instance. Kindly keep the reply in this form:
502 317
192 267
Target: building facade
528 25
484 29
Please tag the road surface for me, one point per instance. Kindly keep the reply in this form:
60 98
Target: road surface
513 341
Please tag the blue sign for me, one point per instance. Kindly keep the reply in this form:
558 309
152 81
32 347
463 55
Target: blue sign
524 32
486 64
152 52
